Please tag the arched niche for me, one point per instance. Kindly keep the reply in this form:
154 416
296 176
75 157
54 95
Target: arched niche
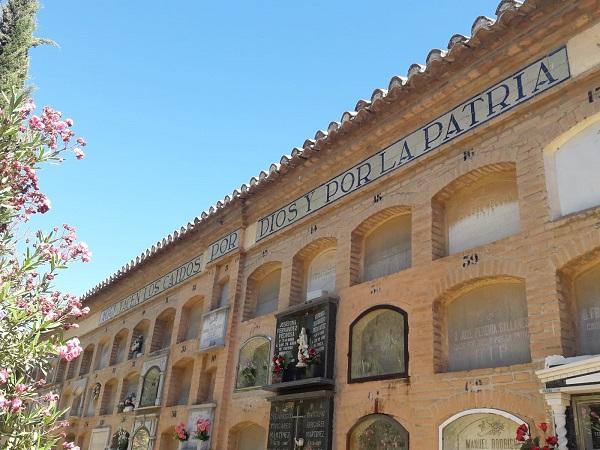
378 345
221 293
478 208
262 290
103 354
163 330
190 323
381 245
180 382
572 166
119 348
486 325
139 339
247 436
86 360
109 397
321 274
378 431
479 428
141 439
129 387
254 363
150 387
586 293
314 271
61 370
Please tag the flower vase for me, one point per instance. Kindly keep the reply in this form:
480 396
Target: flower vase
314 371
276 378
290 373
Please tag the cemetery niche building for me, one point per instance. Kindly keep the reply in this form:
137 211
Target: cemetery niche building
425 273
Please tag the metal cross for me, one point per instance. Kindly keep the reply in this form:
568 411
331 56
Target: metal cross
297 417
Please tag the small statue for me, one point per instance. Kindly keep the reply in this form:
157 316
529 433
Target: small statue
136 346
96 391
302 342
129 402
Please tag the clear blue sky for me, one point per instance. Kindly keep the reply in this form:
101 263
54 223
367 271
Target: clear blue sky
183 101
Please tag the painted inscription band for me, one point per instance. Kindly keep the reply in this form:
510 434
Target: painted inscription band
171 279
224 245
525 84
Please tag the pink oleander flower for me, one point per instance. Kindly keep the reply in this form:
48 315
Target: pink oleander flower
78 153
21 388
4 374
81 141
71 350
69 122
16 405
70 446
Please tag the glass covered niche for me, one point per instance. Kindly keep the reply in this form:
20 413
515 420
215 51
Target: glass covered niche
378 432
487 327
482 212
141 440
150 386
587 292
253 363
378 340
387 249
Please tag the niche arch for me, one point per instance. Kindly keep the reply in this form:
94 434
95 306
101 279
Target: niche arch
262 290
254 363
367 361
482 323
572 165
247 436
314 270
474 414
373 429
579 296
381 244
479 207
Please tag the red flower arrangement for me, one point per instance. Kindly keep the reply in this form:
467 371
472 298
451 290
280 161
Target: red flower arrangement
202 429
529 443
281 363
181 434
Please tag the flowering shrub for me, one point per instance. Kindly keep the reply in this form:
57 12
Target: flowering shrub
529 443
202 429
33 315
181 434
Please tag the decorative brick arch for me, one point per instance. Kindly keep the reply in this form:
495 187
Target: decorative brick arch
448 185
252 284
568 270
233 435
440 348
362 229
300 263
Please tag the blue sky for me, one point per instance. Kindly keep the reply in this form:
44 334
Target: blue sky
183 101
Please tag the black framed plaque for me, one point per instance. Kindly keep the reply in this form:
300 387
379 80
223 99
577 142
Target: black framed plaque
301 421
317 320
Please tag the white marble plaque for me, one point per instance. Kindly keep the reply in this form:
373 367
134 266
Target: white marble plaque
214 326
482 431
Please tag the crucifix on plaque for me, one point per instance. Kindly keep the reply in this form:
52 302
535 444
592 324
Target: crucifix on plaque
298 441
